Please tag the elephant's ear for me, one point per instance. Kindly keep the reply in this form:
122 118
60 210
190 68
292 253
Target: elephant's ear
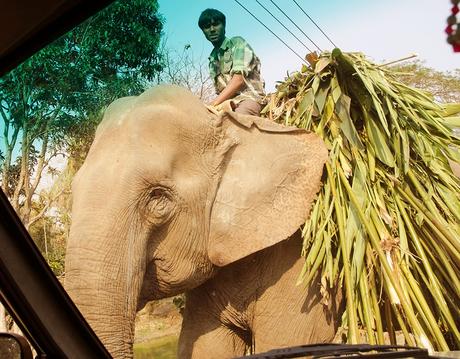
270 179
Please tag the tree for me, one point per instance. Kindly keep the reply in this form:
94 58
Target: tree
51 104
184 69
444 86
53 101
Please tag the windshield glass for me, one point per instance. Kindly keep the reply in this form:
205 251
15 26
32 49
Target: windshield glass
52 104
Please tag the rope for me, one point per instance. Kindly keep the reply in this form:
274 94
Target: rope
315 24
296 25
283 25
255 17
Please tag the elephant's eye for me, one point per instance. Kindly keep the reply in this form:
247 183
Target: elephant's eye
159 205
157 193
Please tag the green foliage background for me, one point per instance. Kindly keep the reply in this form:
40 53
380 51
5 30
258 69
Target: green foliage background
385 225
51 104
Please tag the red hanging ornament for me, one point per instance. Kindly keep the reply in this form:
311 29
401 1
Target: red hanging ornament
453 27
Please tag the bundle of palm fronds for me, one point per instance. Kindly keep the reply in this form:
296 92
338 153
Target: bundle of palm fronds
386 223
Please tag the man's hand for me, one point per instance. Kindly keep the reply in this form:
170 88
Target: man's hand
235 85
227 105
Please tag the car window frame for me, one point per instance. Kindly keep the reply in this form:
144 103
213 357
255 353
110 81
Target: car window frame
29 290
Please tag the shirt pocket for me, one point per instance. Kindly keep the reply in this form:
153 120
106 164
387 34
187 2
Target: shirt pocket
214 69
227 63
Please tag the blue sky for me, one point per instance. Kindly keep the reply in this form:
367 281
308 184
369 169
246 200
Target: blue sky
383 30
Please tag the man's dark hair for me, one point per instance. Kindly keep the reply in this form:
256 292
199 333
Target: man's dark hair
209 16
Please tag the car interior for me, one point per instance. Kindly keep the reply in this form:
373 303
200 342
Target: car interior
28 288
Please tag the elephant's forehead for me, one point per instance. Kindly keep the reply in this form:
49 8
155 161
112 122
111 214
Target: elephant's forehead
153 121
157 135
166 116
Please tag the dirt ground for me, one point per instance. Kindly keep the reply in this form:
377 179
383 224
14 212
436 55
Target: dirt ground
158 319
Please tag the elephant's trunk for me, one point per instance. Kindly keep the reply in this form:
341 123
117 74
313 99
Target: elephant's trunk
103 277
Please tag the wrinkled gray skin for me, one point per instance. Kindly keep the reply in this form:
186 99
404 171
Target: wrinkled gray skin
172 199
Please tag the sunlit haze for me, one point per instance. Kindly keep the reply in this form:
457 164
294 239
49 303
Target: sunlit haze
382 30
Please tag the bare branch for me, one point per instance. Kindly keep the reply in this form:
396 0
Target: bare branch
44 209
181 68
40 165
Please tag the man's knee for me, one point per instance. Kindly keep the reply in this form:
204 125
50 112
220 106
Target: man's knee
248 107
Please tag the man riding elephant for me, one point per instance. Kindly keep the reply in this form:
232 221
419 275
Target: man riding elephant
205 204
233 66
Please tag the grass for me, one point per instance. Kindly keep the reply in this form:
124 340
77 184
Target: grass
162 348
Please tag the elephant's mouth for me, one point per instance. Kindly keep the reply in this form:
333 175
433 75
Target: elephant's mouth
158 281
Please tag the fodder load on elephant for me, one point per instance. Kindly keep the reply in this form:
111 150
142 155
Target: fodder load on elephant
386 224
173 198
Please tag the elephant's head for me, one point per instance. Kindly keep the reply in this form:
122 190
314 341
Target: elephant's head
170 192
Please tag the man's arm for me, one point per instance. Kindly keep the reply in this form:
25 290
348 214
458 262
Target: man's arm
235 85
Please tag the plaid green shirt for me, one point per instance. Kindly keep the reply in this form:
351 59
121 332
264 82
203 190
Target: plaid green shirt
235 56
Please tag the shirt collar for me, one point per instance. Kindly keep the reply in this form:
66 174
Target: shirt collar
225 45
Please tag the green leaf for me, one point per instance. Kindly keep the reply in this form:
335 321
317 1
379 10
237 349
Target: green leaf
378 140
321 96
335 89
342 110
451 121
354 229
305 105
322 63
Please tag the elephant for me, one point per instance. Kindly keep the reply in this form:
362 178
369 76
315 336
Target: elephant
172 199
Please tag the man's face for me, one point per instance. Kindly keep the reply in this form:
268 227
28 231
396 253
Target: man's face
214 32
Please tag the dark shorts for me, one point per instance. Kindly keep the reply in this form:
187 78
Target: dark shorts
248 107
